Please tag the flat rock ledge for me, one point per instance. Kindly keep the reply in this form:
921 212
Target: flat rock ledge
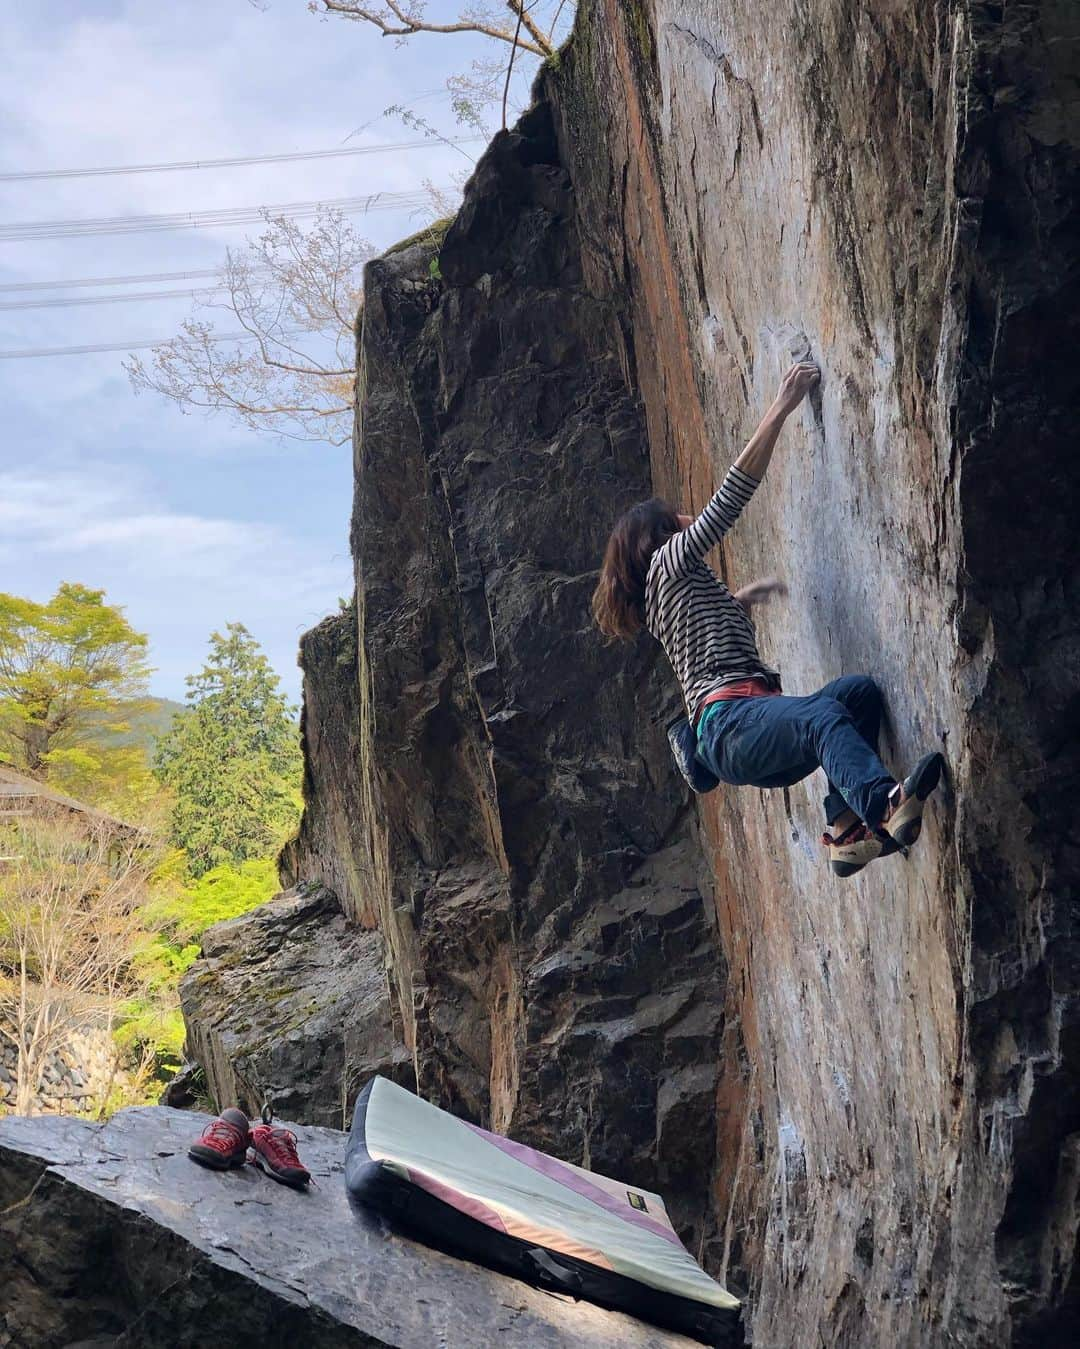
109 1235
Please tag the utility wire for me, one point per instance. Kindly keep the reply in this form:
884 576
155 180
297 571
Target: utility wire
64 302
242 215
183 164
118 346
17 287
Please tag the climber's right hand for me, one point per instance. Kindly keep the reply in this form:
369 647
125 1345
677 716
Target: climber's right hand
795 385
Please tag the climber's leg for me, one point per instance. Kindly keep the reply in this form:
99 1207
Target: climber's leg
862 698
775 742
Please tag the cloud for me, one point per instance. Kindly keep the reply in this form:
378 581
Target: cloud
72 514
178 574
81 519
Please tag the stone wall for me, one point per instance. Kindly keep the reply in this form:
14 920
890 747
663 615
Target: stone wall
75 1080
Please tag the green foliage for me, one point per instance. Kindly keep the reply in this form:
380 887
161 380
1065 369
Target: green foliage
71 672
185 906
115 778
179 912
144 722
232 759
227 767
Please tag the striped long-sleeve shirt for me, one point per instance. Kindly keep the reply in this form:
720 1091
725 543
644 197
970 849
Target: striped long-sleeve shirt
705 631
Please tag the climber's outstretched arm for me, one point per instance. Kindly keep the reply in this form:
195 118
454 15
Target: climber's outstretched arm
794 387
698 536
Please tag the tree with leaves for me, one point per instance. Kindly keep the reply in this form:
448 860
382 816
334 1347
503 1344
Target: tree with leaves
71 671
232 759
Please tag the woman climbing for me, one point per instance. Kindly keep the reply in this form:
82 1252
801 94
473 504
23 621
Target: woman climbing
748 732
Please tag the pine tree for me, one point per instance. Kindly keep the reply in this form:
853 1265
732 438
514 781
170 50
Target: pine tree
232 759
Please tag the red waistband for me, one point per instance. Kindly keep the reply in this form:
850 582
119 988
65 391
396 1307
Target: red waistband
745 688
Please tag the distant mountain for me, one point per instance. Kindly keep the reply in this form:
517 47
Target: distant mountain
156 719
147 719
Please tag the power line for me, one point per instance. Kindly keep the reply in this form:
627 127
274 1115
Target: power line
64 302
20 286
116 346
183 164
242 215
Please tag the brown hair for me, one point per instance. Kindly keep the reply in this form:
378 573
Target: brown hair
619 599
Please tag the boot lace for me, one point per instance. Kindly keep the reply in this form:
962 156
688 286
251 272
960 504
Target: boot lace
854 833
278 1144
222 1136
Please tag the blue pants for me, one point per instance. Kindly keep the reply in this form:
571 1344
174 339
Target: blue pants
777 741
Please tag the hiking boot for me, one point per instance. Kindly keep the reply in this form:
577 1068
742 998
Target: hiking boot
275 1153
855 848
904 821
224 1141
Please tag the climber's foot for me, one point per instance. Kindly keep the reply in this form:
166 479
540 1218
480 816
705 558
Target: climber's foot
903 824
855 847
275 1153
224 1141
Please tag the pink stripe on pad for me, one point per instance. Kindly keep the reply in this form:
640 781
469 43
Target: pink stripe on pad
573 1180
462 1202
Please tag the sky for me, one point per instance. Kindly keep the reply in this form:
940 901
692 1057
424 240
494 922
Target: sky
187 521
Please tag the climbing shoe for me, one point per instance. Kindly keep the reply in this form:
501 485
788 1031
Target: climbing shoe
275 1153
224 1141
855 848
904 822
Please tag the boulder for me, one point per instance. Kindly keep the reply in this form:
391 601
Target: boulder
289 1003
110 1235
326 849
184 1090
865 1096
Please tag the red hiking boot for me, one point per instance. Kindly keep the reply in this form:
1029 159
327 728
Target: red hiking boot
275 1153
224 1141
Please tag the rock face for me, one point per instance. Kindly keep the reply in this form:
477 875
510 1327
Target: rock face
327 838
109 1235
289 1003
894 189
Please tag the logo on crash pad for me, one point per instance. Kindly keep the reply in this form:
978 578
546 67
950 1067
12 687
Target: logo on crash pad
637 1201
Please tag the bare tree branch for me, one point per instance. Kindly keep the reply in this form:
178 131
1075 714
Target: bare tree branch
69 915
296 292
555 20
521 12
510 63
395 20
